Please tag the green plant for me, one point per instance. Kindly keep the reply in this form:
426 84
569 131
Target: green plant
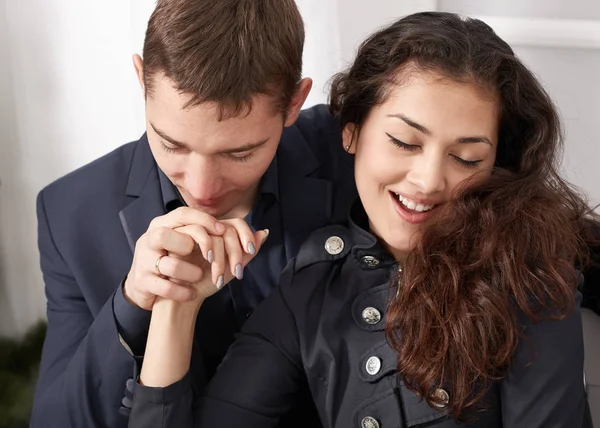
19 362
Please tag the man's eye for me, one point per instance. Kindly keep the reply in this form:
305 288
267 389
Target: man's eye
167 148
241 158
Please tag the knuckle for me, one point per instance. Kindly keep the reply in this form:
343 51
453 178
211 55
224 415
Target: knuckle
198 230
159 236
204 240
155 222
180 211
190 246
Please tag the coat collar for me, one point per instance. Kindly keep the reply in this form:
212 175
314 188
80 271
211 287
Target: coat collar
144 187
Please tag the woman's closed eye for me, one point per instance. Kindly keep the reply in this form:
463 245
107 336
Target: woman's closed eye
412 147
467 163
402 144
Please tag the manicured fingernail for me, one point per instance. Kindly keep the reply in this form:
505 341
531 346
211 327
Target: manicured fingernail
210 256
239 271
266 235
220 282
251 248
219 227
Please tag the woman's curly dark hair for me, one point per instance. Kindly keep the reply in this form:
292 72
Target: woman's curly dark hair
506 245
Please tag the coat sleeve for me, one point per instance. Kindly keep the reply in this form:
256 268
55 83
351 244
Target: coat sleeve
544 387
84 366
258 382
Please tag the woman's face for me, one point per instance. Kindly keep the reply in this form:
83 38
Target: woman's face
416 148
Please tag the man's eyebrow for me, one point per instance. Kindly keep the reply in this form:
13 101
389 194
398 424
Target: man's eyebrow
245 148
164 136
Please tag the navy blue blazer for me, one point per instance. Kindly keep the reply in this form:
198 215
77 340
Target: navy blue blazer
88 223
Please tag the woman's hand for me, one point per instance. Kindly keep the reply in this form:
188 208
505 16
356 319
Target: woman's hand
171 334
227 255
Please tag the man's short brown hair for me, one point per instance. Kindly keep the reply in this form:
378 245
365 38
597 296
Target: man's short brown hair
226 51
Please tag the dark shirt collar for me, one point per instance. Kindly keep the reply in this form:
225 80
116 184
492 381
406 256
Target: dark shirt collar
269 185
170 195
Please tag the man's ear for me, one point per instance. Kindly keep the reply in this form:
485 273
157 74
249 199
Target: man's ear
350 137
298 100
138 65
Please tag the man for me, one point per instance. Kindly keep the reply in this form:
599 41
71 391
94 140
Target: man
225 139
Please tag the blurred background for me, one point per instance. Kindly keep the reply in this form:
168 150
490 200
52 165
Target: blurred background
68 94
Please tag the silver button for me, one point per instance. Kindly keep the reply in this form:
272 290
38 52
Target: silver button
370 261
373 366
369 422
371 315
440 398
334 245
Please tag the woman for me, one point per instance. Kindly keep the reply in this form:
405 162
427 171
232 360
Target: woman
450 298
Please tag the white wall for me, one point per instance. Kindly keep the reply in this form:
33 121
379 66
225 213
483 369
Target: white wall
561 9
335 28
68 94
560 41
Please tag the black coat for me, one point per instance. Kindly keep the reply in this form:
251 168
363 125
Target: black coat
324 326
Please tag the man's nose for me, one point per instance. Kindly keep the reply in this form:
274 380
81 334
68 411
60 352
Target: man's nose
203 182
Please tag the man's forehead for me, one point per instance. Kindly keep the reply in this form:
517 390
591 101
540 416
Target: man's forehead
200 131
165 95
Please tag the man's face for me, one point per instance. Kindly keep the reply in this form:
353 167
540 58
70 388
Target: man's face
215 164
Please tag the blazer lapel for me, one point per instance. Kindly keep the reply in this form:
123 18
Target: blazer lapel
305 200
144 186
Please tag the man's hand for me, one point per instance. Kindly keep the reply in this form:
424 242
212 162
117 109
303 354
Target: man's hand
167 258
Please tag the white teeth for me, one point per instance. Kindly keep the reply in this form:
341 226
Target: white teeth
412 205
